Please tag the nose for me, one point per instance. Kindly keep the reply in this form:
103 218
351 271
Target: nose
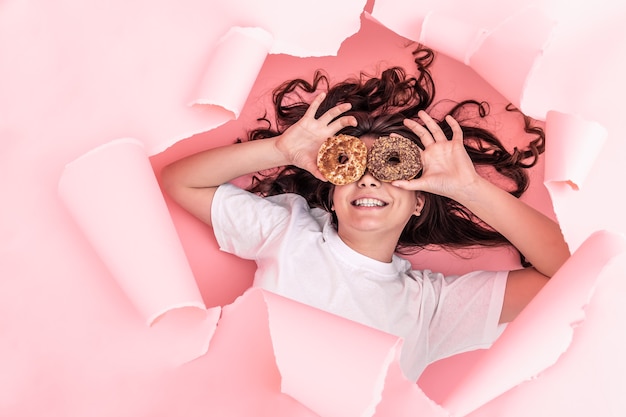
367 180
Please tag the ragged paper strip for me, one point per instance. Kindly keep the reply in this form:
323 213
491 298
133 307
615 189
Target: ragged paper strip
316 29
114 198
543 331
588 378
483 50
331 365
231 75
572 146
456 38
329 349
402 398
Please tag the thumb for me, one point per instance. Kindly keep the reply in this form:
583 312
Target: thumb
314 170
412 185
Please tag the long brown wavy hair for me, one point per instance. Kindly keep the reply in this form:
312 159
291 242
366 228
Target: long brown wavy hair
380 103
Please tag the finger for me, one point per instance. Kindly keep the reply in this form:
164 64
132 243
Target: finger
432 126
457 132
313 169
315 105
411 185
334 112
420 131
336 125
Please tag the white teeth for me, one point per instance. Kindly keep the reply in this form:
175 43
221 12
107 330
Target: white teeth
369 202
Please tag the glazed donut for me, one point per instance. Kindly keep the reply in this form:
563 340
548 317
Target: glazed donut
394 158
342 159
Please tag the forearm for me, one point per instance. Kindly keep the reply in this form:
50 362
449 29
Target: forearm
213 167
535 235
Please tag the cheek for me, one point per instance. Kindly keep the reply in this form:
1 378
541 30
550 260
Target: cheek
338 192
411 203
340 201
335 196
408 198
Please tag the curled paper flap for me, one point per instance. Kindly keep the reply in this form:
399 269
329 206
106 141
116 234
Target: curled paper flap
587 379
313 29
113 196
543 331
448 35
572 147
330 365
183 334
403 398
509 53
234 66
323 364
405 24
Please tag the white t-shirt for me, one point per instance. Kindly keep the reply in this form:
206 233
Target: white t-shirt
300 256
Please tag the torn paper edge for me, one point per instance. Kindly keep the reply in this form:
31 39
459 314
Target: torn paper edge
64 193
178 344
436 34
573 145
471 394
531 14
389 388
320 402
536 64
575 327
533 72
154 319
233 68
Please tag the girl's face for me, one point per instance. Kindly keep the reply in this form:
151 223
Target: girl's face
372 205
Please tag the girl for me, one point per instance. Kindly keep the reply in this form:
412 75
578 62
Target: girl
338 248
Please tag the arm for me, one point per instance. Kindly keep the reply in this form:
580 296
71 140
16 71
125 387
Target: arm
192 181
536 236
448 171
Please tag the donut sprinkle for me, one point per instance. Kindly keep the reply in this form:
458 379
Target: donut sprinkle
394 158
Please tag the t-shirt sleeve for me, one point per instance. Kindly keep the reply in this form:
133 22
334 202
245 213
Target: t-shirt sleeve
467 313
245 224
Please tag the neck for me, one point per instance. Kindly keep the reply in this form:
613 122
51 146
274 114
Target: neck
375 246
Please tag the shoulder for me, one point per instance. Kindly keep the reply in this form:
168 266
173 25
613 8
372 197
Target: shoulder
232 201
253 227
461 283
232 195
521 287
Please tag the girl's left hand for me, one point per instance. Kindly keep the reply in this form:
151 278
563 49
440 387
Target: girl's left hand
447 168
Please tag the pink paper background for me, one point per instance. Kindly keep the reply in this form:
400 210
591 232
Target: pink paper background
75 340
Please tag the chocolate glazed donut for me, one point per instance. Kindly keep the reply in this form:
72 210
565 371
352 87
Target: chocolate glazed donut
394 158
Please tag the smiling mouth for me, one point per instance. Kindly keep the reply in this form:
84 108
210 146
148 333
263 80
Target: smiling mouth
368 202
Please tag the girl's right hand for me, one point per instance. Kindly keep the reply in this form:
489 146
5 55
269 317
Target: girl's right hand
300 143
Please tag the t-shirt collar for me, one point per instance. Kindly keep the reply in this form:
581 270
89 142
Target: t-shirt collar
345 253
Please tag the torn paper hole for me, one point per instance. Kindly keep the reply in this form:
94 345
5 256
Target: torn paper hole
112 194
572 147
233 68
